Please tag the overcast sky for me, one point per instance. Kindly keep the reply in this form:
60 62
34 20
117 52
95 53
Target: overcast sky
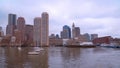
92 16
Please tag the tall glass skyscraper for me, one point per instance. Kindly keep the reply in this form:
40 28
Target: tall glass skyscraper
66 33
11 24
11 19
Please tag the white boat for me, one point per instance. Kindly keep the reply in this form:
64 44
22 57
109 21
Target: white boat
19 48
37 49
33 53
111 45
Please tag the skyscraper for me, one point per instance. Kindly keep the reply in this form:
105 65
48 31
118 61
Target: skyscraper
41 30
66 33
75 31
11 24
37 31
21 28
45 29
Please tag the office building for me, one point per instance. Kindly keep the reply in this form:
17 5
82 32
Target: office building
0 28
37 31
66 33
29 35
1 32
11 24
45 29
57 36
87 36
93 36
21 28
52 36
75 31
16 38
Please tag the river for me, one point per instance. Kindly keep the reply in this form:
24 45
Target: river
60 57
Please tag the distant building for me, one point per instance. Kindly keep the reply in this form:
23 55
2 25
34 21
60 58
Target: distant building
29 35
1 32
45 29
87 36
62 33
5 41
37 31
82 39
55 42
52 36
21 28
1 35
0 28
93 36
75 31
66 33
103 40
57 36
16 39
116 40
11 24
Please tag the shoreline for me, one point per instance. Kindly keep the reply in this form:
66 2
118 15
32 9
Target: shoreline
74 46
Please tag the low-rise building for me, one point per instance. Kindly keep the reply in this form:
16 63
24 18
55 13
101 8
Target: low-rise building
5 40
55 42
102 40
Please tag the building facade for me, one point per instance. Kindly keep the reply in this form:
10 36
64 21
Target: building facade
16 39
37 31
87 36
102 40
66 33
1 32
45 29
93 36
21 28
11 24
75 31
29 35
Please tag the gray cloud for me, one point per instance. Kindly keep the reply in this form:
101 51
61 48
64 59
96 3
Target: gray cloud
92 16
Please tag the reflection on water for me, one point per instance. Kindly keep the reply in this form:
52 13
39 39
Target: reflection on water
21 59
60 57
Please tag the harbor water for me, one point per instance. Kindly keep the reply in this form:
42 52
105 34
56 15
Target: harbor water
60 57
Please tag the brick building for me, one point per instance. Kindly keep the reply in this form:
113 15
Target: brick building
55 41
101 40
29 35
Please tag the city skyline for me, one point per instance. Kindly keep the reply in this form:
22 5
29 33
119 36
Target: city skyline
95 16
